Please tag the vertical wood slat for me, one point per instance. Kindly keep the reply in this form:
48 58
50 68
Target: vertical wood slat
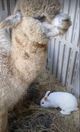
51 54
76 74
66 6
3 9
56 50
65 64
72 11
66 11
76 29
12 5
62 5
0 5
3 15
70 67
60 61
5 5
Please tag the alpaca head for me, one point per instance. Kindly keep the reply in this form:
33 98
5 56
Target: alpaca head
29 42
43 9
59 25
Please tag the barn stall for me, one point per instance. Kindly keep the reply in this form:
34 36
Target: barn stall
62 74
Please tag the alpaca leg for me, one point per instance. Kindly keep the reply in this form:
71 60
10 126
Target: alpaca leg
3 121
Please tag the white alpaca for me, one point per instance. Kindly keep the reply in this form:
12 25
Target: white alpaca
21 60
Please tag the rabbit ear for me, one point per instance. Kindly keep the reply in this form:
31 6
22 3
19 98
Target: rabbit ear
47 93
11 21
45 98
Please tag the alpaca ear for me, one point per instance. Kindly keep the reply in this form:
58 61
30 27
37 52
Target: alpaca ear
11 21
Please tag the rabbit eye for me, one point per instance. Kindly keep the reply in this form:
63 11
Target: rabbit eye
42 102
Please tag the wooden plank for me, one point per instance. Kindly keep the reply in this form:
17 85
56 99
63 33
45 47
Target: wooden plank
1 5
56 57
65 64
49 48
66 11
66 6
72 11
3 9
62 61
51 54
12 6
76 29
6 8
61 48
3 15
76 74
67 43
75 81
71 66
62 4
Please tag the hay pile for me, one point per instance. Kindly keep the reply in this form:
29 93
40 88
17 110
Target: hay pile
35 119
28 116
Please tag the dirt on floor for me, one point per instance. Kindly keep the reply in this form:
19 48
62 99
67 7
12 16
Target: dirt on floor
28 116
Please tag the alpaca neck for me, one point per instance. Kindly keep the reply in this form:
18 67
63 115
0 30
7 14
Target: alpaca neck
28 66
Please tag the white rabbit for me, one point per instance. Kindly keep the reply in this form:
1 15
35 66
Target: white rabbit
65 101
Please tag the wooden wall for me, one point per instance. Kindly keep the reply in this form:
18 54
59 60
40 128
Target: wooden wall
6 8
63 52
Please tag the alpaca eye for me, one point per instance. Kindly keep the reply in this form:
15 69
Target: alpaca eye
40 18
